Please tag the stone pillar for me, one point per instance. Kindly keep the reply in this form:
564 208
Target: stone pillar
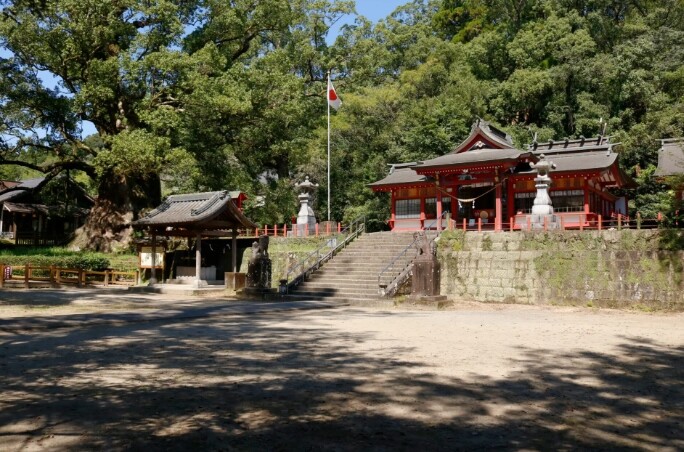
198 260
425 282
259 267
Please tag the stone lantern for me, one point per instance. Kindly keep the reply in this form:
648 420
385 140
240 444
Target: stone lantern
542 209
306 217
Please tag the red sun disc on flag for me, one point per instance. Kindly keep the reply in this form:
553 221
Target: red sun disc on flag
332 95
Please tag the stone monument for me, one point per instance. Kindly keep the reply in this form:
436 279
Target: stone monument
306 219
426 271
542 210
259 267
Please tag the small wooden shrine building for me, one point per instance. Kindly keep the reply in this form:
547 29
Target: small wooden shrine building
487 180
197 215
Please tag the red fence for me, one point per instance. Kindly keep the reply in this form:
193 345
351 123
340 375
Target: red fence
295 230
566 221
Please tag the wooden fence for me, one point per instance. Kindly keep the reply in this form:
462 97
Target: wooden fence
57 276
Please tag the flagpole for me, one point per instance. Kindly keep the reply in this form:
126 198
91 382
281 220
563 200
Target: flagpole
327 101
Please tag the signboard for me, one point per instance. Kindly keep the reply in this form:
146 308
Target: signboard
146 257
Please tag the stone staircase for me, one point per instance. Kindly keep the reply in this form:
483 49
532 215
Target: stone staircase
352 275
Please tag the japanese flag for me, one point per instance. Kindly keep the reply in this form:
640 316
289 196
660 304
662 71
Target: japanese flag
333 100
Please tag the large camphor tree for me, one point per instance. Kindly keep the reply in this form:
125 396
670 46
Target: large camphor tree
175 89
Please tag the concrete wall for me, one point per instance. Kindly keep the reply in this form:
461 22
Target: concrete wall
641 269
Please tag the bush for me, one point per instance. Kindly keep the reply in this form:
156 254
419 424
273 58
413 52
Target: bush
84 261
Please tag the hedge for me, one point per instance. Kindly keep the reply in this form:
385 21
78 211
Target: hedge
84 262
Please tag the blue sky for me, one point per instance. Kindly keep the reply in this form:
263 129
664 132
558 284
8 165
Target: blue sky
373 10
377 9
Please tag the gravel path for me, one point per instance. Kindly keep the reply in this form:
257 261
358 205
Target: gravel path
475 377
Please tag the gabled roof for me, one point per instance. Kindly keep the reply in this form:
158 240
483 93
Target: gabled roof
671 157
489 135
197 211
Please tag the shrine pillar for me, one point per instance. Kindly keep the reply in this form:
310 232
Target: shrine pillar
497 206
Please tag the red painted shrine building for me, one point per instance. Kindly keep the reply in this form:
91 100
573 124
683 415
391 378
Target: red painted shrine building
486 181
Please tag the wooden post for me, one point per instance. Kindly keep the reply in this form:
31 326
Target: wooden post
106 278
464 225
562 224
27 271
498 218
529 223
2 276
638 220
275 230
511 223
306 230
80 276
479 224
600 220
619 222
153 275
339 227
52 275
137 275
316 229
546 224
58 276
233 256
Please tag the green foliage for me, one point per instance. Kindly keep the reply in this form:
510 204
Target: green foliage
207 95
62 257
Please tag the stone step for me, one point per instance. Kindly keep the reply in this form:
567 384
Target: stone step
324 284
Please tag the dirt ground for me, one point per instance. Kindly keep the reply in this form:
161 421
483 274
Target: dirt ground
475 377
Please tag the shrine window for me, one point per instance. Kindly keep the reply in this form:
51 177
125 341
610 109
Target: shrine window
407 208
567 200
524 202
430 207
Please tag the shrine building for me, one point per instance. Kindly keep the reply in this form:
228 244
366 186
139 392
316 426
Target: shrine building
487 182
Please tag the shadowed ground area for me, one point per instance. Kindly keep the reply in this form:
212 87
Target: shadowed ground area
350 379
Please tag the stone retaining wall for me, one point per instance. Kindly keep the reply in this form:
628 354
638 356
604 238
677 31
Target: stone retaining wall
609 268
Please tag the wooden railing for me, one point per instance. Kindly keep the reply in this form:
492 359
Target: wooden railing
57 276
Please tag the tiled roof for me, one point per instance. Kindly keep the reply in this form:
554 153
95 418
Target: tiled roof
13 192
474 156
212 210
671 158
585 161
400 174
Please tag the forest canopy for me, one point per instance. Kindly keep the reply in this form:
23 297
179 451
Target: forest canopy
213 94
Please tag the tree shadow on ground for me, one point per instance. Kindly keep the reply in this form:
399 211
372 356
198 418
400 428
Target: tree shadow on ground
262 383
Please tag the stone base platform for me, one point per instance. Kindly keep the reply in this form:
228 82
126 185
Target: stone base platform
180 289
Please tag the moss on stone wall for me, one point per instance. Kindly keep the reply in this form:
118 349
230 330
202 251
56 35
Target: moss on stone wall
637 269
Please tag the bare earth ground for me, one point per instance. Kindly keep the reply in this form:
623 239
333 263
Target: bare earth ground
475 377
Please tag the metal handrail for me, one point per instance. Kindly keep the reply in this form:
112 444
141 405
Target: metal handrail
389 289
352 231
435 220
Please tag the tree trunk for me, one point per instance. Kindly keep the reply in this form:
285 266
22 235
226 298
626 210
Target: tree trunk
119 201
